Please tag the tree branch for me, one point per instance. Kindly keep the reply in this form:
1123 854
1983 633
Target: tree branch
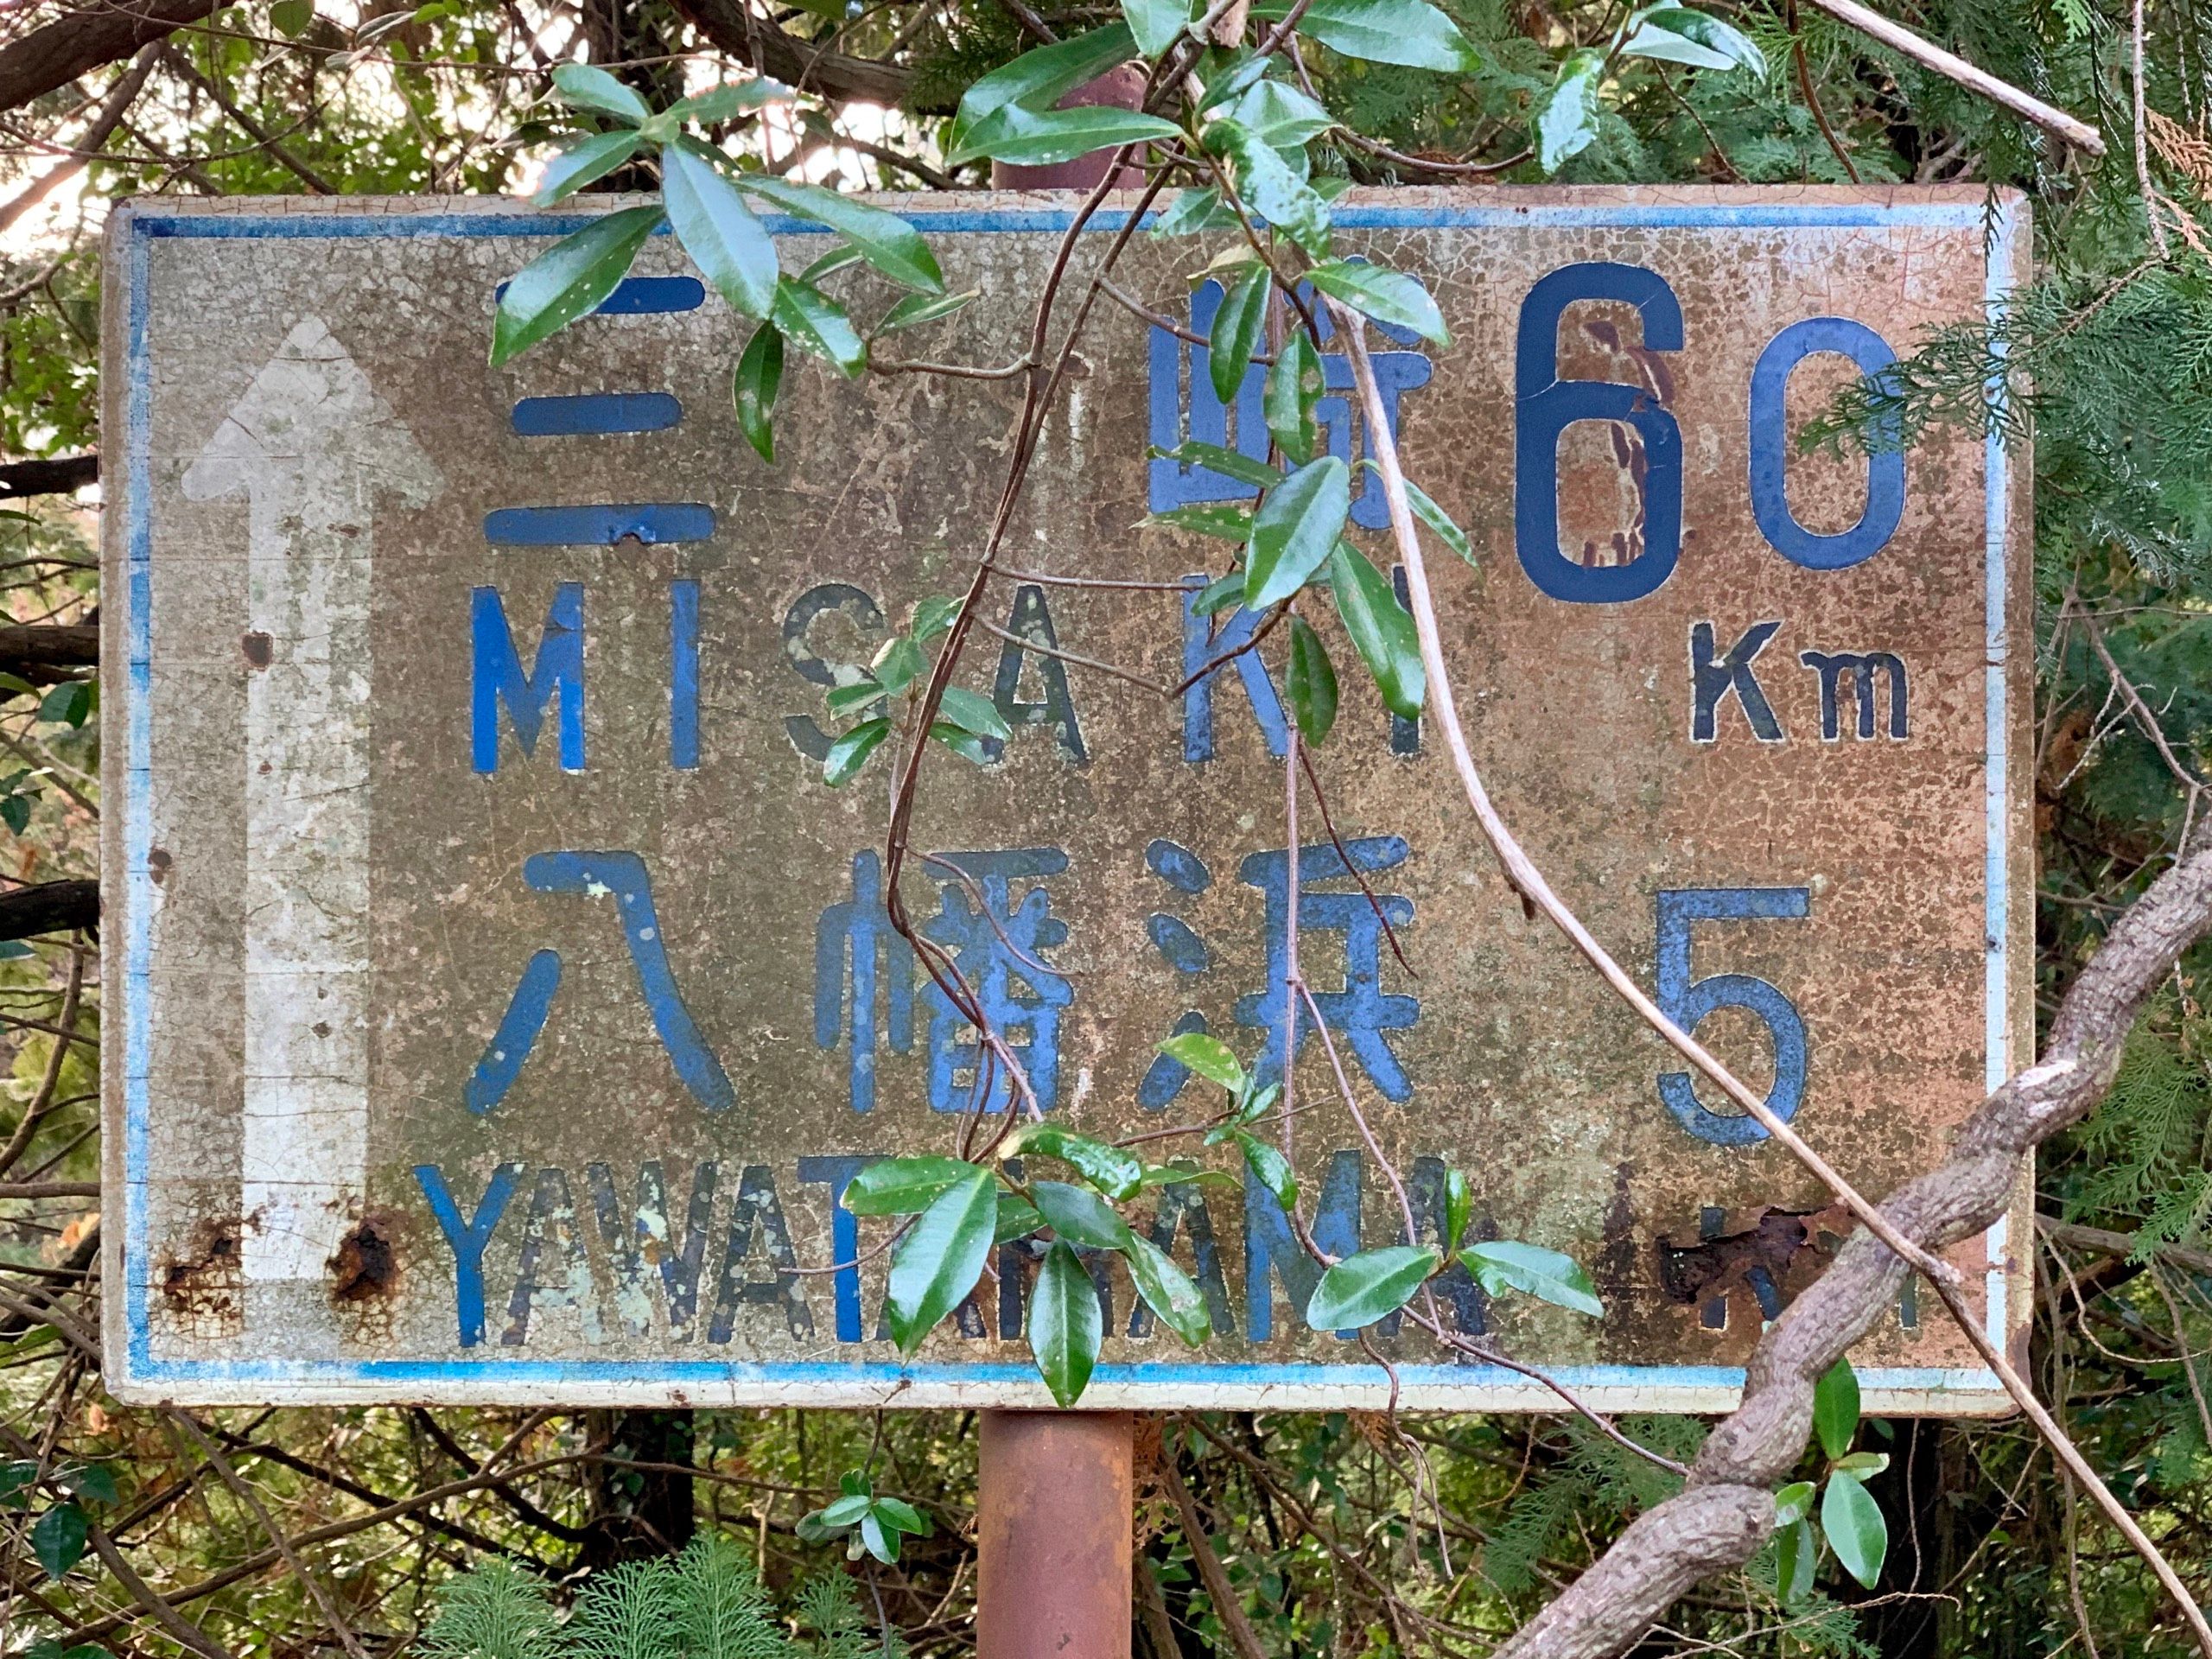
100 31
46 475
730 27
49 908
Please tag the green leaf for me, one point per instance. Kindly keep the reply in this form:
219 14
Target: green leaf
1210 1057
1459 1208
1361 1289
933 616
1065 1326
1117 1174
1678 35
878 1541
1311 682
856 1480
965 744
1387 296
1156 24
1438 520
897 1513
1408 32
1026 137
1018 1218
1224 594
1293 391
904 1186
1232 77
916 309
291 17
1268 185
1862 1466
14 1477
1280 115
1036 77
759 377
937 1263
850 751
586 87
58 1539
723 103
94 1482
68 703
1855 1529
819 324
847 1510
844 256
582 159
1194 210
1381 631
1793 1503
1237 327
974 713
898 663
1504 1264
1295 529
1080 1216
1167 1290
1254 1104
1270 1167
1798 1550
568 280
1229 524
1835 1408
885 240
732 249
1567 120
1229 463
1183 1172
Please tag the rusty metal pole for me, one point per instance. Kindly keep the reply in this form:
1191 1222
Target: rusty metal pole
1053 1534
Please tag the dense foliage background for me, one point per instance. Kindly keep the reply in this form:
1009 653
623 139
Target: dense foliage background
278 1531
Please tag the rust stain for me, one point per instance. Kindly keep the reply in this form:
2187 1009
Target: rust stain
200 1282
366 1267
1772 1245
260 649
157 864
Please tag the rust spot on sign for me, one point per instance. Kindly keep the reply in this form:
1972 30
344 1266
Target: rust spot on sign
199 1284
366 1267
260 649
1759 1257
157 864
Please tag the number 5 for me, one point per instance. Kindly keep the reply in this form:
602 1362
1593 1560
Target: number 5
1686 1001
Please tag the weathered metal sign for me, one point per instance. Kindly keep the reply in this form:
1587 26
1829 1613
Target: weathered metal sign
499 1000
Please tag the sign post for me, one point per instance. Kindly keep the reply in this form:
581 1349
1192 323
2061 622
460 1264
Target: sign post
1053 1537
503 1001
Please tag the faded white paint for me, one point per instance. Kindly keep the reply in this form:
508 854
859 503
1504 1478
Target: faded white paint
313 447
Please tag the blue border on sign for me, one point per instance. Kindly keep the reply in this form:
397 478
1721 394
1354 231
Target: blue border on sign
2001 226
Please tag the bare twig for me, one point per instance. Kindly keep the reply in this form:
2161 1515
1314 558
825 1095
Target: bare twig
1951 67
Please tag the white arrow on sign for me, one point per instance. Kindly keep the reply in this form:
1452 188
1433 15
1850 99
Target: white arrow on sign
314 448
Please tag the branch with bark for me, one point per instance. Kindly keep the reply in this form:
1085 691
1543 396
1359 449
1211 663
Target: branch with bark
732 26
86 37
46 475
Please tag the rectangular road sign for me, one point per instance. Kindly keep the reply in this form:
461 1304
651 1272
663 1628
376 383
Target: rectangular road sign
499 1000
